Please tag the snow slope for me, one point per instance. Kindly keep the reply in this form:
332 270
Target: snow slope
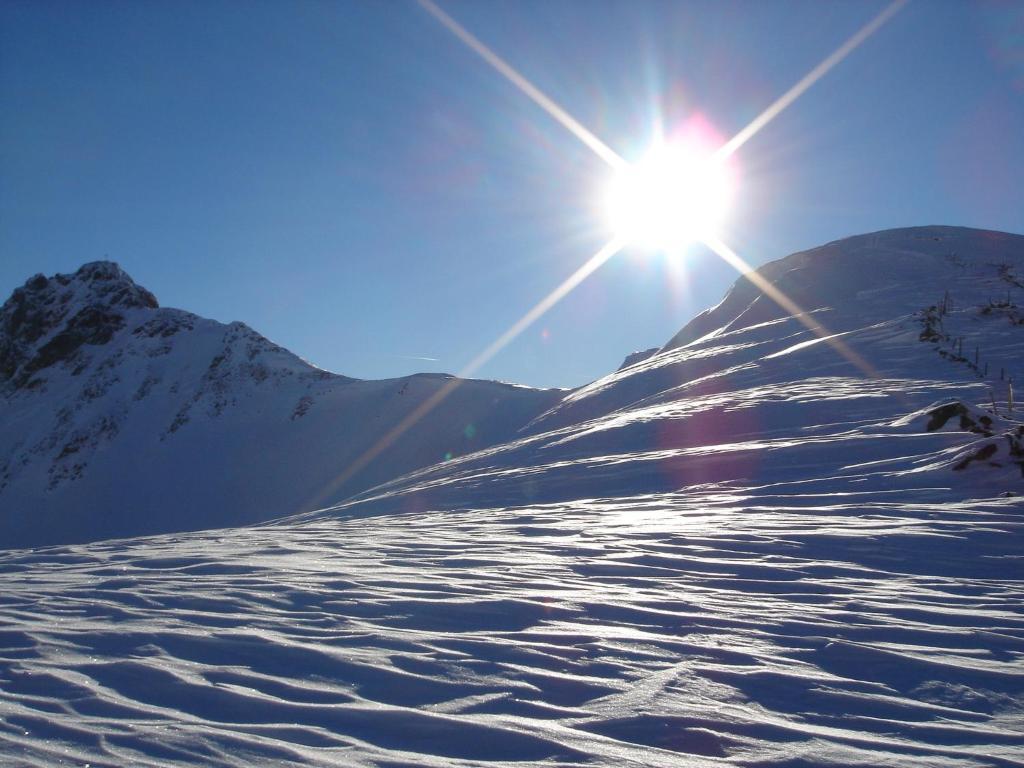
657 631
748 397
121 418
748 549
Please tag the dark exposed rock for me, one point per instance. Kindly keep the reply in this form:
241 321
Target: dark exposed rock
164 326
302 407
982 454
48 319
941 415
636 357
93 325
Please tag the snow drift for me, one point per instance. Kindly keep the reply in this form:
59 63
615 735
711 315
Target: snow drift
755 547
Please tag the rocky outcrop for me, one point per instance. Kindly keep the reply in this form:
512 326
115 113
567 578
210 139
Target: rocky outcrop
638 357
120 417
47 320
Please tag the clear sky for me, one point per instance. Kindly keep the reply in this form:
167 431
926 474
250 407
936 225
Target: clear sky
354 183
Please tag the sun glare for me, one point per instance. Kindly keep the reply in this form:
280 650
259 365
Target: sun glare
675 195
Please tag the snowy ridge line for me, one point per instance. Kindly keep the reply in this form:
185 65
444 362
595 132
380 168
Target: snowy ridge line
857 444
108 401
714 556
721 382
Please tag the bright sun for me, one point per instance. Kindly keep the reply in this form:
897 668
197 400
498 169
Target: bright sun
675 195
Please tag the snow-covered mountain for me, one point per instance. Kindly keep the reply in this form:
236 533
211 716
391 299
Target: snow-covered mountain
119 418
751 399
777 541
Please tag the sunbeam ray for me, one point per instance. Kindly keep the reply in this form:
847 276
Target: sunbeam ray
731 258
538 310
532 92
808 80
614 246
541 307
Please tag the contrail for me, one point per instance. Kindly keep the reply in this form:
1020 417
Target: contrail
419 357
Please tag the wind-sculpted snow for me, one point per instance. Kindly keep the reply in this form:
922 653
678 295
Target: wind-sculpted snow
874 293
665 630
778 541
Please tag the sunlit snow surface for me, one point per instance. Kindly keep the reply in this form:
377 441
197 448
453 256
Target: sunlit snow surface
739 550
632 632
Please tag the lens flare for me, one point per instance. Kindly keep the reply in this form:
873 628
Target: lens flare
675 195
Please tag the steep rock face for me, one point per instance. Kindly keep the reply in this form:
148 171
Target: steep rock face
46 321
119 417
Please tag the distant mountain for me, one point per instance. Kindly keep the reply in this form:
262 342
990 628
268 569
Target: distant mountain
119 418
766 544
905 382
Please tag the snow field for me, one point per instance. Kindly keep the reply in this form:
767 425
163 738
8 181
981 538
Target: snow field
660 631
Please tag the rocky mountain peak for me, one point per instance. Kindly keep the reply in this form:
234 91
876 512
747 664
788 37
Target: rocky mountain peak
47 319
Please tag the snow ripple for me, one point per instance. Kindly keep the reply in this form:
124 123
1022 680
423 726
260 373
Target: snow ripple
664 630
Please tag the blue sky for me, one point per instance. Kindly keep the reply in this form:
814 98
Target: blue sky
352 182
